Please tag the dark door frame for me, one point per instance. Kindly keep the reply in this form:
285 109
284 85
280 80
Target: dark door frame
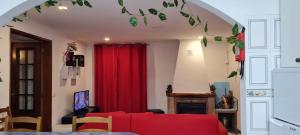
46 78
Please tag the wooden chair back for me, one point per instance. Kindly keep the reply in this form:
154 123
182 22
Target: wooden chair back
83 120
4 123
27 120
5 113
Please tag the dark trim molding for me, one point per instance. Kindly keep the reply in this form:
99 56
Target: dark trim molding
200 95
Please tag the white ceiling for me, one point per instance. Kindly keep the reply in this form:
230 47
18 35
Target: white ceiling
91 25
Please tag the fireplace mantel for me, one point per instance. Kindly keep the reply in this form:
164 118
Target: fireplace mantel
175 98
200 95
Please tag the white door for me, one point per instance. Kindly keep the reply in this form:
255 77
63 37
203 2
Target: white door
290 32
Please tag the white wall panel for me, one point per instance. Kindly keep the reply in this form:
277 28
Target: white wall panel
263 55
276 29
258 71
259 113
258 34
277 61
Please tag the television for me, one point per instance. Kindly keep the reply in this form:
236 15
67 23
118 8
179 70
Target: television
81 101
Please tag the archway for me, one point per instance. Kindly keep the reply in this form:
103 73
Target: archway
21 6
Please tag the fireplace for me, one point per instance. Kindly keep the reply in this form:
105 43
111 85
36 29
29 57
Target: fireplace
191 103
191 108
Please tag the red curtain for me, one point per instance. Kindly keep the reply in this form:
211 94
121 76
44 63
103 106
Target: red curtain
120 77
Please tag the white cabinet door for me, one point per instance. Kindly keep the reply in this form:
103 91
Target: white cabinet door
258 71
290 31
258 115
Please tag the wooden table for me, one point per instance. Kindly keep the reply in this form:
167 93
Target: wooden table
67 133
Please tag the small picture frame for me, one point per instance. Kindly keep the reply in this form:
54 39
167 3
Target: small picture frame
79 59
70 59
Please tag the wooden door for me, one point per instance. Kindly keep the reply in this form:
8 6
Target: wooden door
31 77
290 30
26 79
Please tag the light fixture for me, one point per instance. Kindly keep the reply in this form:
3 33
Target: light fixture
107 39
62 7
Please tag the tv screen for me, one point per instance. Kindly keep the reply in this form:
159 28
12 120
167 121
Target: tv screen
81 100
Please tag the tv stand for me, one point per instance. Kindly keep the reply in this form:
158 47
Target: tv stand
67 119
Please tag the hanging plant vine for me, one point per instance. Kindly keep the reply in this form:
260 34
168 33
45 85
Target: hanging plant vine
236 39
52 3
183 8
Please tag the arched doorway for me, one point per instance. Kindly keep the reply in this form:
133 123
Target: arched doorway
212 6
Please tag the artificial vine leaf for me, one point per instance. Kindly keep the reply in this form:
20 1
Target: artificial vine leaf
74 2
133 21
176 3
145 20
153 11
123 10
231 39
8 26
183 1
50 3
16 19
25 14
87 3
235 29
233 49
165 4
232 74
218 38
205 27
170 4
121 3
128 12
142 12
198 19
184 14
204 40
240 44
79 2
192 21
162 16
182 6
38 8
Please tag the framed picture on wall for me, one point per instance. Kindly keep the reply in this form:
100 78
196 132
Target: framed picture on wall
70 59
79 59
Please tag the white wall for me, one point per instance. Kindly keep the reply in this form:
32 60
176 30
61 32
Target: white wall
89 72
161 62
9 4
162 58
62 91
4 66
234 83
216 58
190 74
238 10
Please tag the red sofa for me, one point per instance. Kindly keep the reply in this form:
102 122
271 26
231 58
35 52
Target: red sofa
161 124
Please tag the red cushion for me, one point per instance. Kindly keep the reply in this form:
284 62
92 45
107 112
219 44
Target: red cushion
144 113
120 122
174 124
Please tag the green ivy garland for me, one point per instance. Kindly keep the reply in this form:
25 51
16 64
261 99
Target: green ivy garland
182 7
53 3
192 19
